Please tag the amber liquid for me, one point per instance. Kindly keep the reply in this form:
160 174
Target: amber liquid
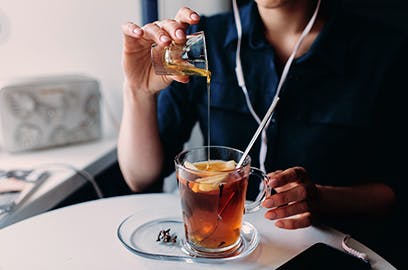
213 211
189 70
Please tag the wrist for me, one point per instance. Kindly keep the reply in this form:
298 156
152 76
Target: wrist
135 93
334 200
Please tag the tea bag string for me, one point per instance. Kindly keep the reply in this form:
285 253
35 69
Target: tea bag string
265 121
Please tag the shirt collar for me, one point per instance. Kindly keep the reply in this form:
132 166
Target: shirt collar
252 28
331 45
253 31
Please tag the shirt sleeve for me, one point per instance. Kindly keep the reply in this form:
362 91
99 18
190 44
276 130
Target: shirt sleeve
390 134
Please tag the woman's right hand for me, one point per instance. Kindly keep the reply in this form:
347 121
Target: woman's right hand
136 59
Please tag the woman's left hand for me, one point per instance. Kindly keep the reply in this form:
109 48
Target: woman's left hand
294 204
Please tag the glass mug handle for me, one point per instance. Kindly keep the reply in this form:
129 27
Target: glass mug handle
251 207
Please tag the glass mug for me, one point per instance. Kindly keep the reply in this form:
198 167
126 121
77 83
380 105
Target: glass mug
182 59
213 198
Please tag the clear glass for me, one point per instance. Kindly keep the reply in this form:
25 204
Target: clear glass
216 210
213 198
182 59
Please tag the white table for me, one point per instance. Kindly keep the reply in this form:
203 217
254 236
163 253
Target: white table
92 157
84 236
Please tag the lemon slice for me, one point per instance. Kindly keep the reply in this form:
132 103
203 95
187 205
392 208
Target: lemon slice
210 183
214 179
229 165
210 180
190 165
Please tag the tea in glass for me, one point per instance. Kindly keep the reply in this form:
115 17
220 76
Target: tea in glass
213 206
213 198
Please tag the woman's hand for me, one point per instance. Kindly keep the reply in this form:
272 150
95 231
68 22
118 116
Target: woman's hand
294 204
136 59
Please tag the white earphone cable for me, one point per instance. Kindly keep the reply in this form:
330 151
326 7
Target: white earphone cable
361 255
241 79
84 174
241 83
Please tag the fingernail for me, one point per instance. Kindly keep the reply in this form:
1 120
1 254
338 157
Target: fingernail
179 33
194 17
164 38
270 215
137 31
268 203
279 224
273 182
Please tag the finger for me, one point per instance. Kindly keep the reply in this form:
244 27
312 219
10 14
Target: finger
155 33
132 30
287 211
182 79
294 174
133 38
187 16
295 194
272 174
175 29
301 174
272 182
296 222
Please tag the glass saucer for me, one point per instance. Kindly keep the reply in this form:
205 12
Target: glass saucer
140 237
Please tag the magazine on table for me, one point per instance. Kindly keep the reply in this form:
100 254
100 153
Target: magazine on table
16 186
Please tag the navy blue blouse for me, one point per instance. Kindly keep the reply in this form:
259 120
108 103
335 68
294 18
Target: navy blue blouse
341 110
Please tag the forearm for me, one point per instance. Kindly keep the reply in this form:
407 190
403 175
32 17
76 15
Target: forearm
139 146
373 199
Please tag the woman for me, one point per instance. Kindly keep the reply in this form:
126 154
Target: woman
334 140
